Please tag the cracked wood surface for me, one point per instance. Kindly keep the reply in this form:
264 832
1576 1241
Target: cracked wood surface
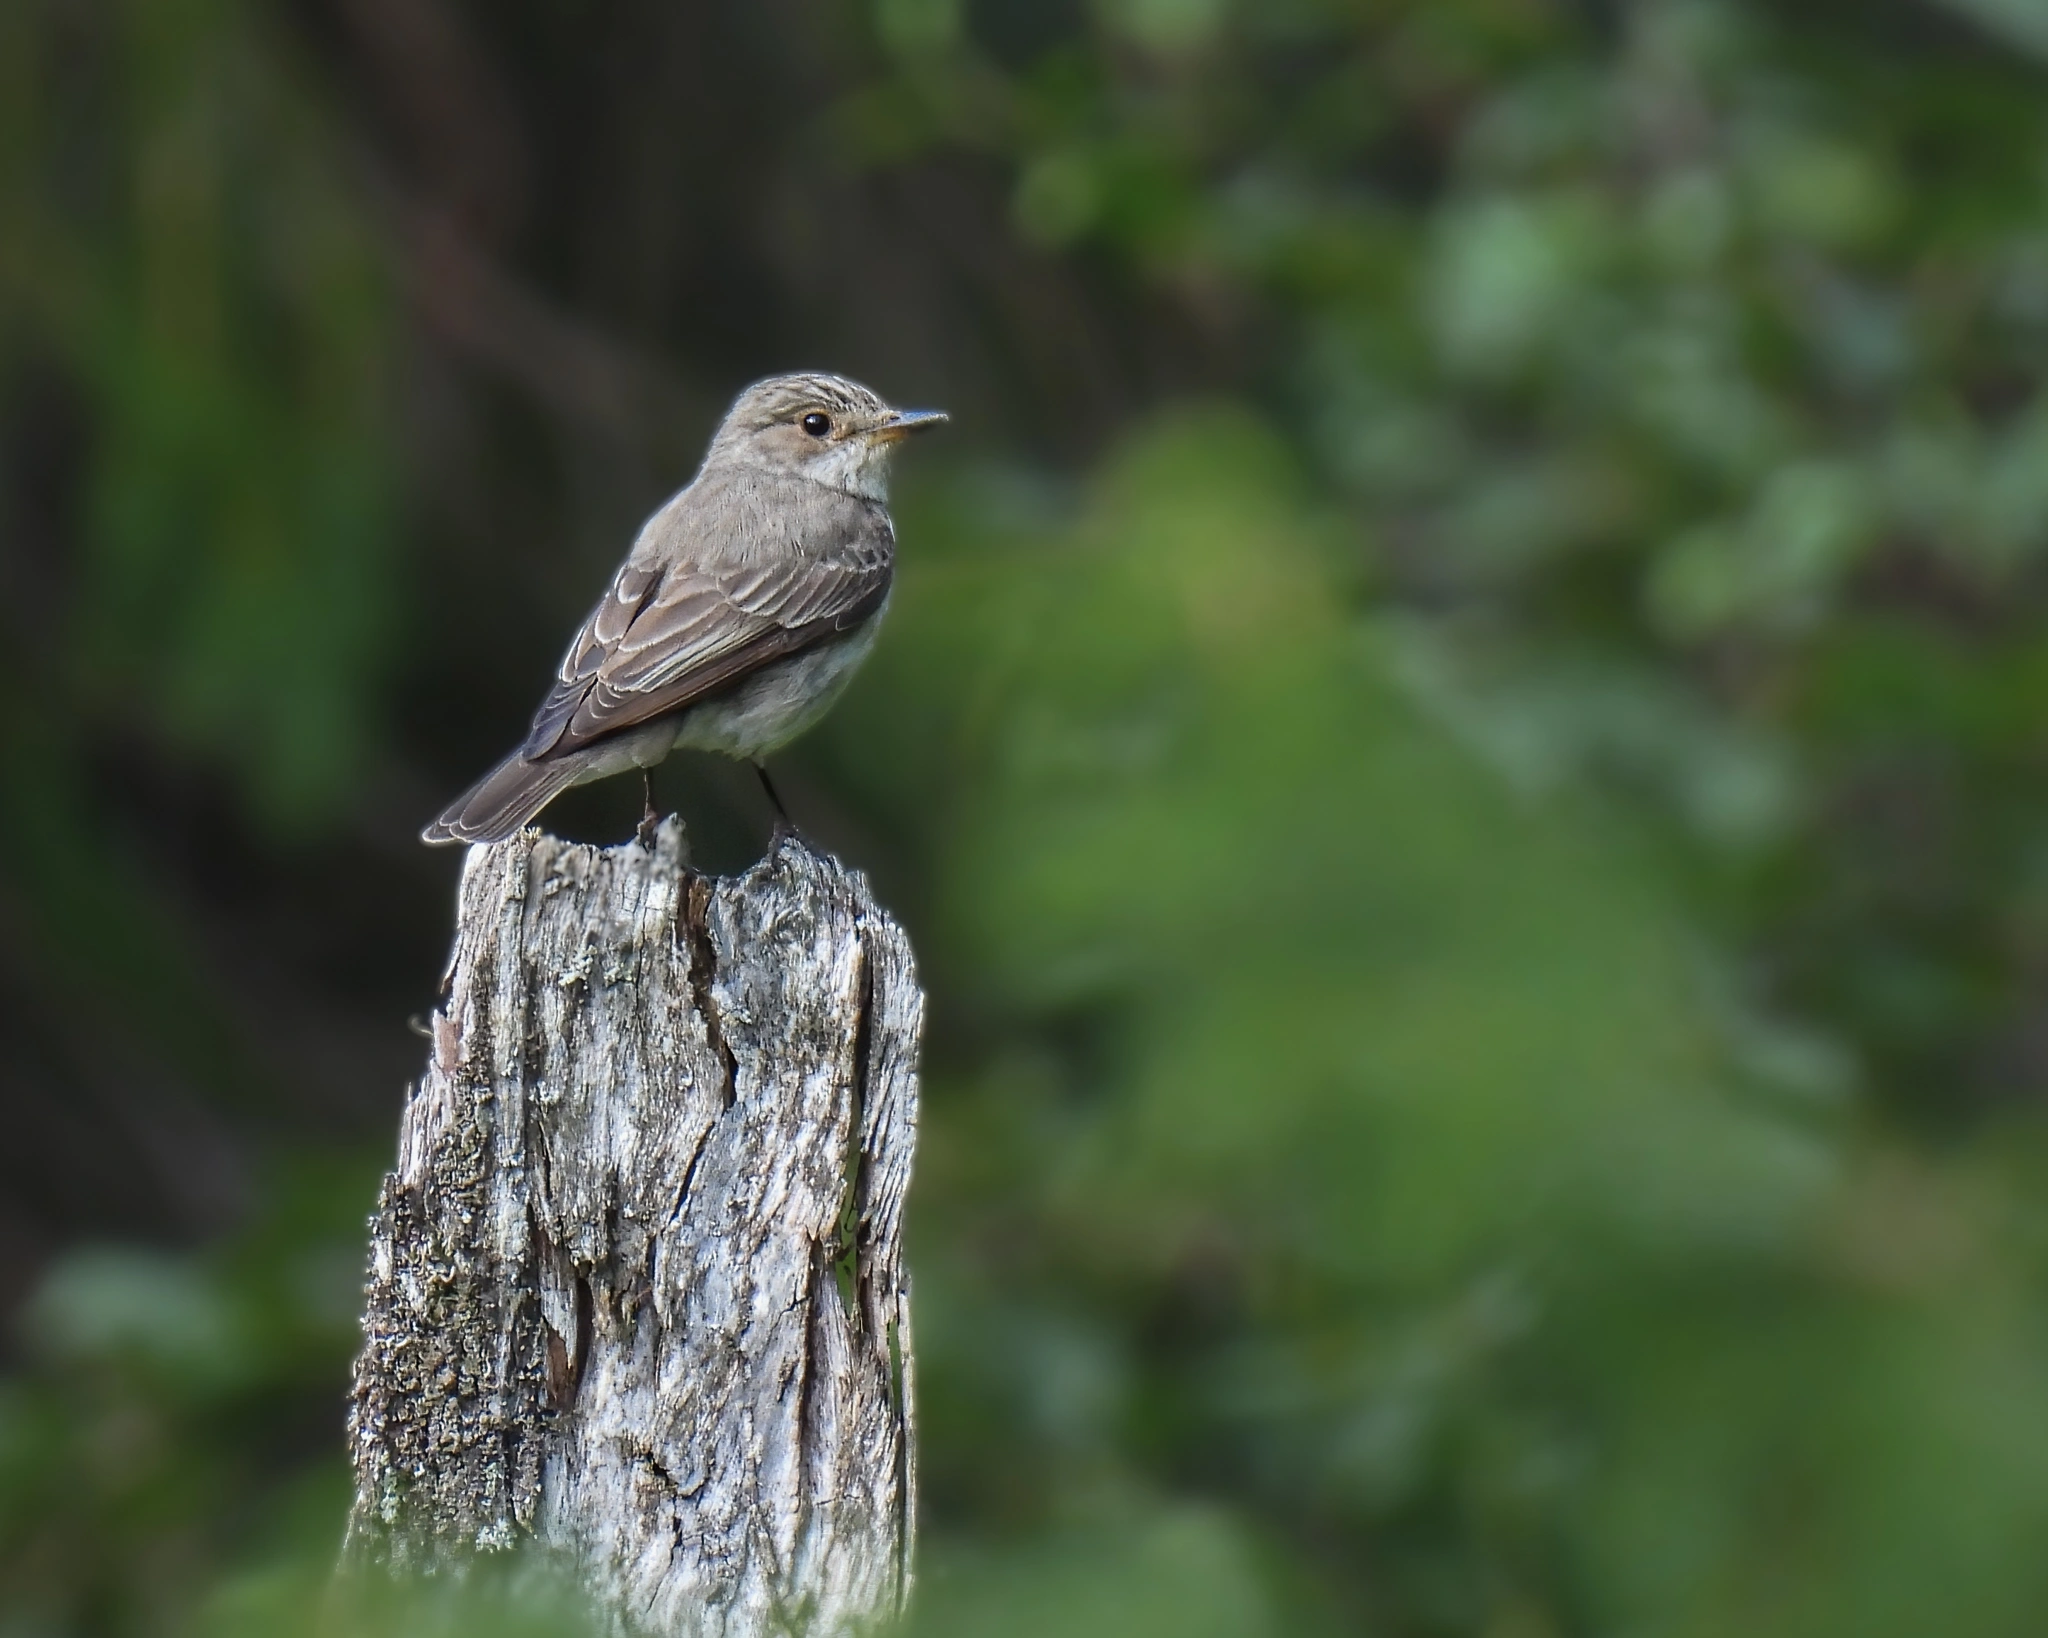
636 1289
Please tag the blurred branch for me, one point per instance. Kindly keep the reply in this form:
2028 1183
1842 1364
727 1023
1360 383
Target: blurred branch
2021 23
461 195
457 113
482 311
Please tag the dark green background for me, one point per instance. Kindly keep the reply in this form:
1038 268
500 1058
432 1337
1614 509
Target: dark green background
1463 742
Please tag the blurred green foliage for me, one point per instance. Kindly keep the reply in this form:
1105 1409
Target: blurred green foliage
1477 848
185 247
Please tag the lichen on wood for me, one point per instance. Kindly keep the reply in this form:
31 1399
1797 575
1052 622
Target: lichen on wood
636 1289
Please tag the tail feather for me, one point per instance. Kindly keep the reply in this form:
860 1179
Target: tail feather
498 804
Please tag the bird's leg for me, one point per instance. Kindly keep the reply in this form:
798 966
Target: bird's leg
783 827
645 834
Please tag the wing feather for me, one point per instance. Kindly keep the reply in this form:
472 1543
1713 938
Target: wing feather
668 633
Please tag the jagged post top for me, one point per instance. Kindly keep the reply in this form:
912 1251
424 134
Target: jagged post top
636 1287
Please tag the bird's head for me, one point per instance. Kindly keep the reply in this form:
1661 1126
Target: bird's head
822 427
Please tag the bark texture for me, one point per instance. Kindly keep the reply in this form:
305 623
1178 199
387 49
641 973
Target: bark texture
636 1287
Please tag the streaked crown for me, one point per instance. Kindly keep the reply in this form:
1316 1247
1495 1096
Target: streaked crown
783 398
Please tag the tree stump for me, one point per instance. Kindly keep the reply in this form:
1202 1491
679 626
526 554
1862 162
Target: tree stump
636 1289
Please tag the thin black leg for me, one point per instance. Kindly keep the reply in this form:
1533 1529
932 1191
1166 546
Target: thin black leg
782 822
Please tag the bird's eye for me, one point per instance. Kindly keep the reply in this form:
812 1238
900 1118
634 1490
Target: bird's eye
817 425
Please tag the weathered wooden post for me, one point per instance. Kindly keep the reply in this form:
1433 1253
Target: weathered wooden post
636 1289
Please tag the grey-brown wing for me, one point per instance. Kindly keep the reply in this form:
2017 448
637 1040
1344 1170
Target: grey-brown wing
668 635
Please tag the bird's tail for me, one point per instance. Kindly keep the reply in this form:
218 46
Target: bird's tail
502 801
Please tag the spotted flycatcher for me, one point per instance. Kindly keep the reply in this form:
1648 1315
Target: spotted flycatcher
738 616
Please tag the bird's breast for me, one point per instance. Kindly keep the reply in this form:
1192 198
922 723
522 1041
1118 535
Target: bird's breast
771 706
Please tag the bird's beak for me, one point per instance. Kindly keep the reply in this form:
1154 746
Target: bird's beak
902 423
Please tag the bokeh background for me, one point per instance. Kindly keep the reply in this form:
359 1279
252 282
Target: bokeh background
1463 739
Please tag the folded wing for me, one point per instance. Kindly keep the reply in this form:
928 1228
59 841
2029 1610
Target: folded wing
667 635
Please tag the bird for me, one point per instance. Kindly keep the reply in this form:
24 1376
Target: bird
747 602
